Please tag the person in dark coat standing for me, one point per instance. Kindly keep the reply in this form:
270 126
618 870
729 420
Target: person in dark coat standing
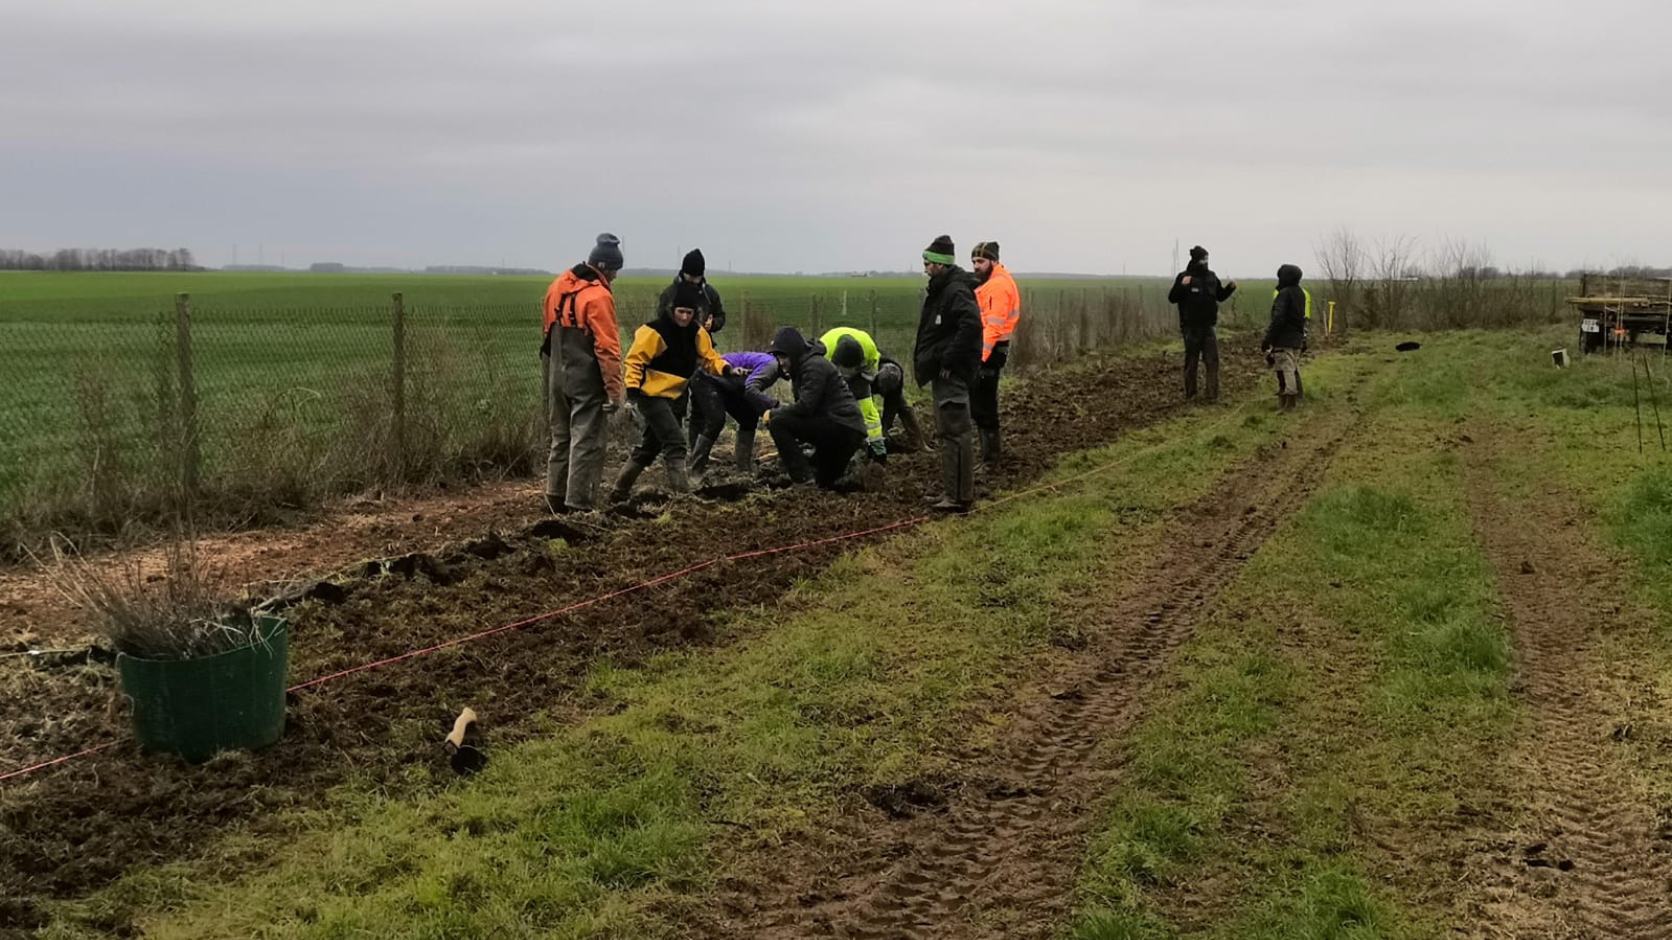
1286 336
1198 293
822 413
946 358
693 270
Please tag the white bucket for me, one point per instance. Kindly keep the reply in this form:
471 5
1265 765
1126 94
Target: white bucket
1559 357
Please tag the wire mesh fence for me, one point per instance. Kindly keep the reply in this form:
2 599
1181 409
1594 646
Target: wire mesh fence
236 415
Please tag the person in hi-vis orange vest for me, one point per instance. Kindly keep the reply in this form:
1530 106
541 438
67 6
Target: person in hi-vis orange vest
1001 307
581 356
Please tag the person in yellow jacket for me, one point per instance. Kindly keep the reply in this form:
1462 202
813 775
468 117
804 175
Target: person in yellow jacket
854 354
1001 309
665 353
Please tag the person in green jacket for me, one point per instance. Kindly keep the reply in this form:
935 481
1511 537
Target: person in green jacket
855 356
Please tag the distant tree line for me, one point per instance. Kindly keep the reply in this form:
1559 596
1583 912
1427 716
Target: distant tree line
1627 270
100 259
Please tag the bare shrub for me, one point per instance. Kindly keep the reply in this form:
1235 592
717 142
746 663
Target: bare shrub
179 612
1343 263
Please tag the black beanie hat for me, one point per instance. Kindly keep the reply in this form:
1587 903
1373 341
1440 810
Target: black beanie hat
788 341
688 294
988 250
606 255
693 264
940 251
1198 253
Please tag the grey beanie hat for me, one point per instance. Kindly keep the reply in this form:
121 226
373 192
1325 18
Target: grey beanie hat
606 255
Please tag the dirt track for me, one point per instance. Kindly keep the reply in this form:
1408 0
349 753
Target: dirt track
74 829
1587 857
999 860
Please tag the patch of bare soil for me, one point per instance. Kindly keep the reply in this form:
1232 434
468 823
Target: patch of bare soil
996 855
1575 851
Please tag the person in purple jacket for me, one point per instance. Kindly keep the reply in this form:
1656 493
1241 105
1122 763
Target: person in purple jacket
743 397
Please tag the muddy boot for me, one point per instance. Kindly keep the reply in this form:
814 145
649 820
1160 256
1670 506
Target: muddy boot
743 452
991 450
624 482
678 479
699 454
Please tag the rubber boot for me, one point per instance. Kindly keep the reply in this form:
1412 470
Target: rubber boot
744 450
990 449
624 481
678 479
699 454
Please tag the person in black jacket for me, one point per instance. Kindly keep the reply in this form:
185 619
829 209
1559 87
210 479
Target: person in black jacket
1286 336
711 317
1198 293
946 358
692 270
823 413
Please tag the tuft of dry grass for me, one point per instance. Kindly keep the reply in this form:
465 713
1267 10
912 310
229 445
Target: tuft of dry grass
178 612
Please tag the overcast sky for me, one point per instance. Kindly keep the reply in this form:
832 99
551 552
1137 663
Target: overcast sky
779 136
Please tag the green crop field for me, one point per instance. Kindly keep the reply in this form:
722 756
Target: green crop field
292 374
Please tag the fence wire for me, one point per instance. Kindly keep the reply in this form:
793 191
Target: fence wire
239 414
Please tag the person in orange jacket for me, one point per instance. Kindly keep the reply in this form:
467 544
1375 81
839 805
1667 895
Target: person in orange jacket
581 356
665 354
1001 308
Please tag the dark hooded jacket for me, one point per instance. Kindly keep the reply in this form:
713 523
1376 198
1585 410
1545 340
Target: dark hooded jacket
1288 311
949 329
1199 300
819 391
664 303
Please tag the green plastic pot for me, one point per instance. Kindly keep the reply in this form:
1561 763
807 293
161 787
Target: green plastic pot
196 707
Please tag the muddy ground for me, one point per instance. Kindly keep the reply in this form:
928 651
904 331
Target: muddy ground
73 829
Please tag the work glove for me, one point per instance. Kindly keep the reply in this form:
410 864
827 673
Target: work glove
878 451
766 417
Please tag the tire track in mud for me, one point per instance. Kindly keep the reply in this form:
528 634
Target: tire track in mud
1589 860
1001 860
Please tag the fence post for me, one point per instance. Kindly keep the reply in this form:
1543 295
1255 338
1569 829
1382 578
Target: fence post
874 336
191 454
398 386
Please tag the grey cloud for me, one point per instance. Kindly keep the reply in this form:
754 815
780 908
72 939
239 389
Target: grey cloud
1084 135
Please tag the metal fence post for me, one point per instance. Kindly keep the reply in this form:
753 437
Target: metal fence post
191 454
398 386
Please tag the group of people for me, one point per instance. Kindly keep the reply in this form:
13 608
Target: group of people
846 395
1198 292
